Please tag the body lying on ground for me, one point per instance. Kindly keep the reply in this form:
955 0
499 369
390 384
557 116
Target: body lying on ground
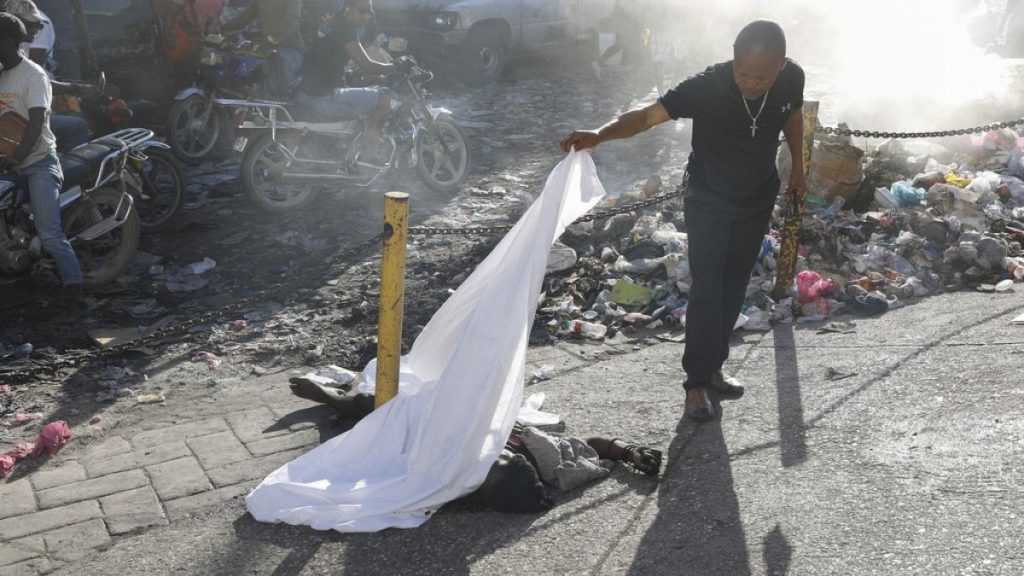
533 463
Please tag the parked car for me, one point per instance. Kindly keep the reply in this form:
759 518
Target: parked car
478 37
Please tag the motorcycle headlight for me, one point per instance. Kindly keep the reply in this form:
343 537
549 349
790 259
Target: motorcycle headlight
445 20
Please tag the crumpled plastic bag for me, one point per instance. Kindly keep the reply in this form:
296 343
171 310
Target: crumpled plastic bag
811 286
530 413
53 437
907 195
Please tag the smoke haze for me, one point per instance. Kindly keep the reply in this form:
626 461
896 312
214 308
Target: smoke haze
896 65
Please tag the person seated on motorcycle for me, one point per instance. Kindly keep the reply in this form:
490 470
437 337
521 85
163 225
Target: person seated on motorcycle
25 90
280 22
69 129
322 87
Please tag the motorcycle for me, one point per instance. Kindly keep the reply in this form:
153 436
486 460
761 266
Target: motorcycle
227 68
97 211
154 176
297 153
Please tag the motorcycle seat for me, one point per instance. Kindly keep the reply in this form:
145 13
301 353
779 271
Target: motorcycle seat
303 113
82 162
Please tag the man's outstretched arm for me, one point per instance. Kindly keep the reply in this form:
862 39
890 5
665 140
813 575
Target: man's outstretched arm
626 126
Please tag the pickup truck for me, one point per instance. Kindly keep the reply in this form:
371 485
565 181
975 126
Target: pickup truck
478 37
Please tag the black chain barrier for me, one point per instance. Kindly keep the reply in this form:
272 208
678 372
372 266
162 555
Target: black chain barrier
69 360
491 230
906 135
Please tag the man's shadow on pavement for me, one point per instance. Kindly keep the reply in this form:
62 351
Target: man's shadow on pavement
698 529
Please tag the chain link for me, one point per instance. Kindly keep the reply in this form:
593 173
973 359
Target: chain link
906 135
489 230
69 360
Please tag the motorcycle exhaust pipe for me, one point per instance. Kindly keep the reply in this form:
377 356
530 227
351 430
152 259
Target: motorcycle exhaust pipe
15 260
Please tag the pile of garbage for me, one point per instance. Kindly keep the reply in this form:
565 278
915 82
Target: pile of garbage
880 230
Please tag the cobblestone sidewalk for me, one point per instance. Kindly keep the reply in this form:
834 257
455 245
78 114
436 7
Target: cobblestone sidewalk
131 482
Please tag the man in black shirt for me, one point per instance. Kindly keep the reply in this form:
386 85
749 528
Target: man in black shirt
323 77
738 109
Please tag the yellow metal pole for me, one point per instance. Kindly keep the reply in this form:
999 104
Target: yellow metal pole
786 268
392 295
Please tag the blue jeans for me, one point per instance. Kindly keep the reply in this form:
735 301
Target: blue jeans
44 179
70 131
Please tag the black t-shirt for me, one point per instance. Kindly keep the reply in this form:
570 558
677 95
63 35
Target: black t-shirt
729 170
324 66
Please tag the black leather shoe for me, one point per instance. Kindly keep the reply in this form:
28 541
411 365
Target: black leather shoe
700 409
726 385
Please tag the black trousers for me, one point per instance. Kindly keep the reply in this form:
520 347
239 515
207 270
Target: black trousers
722 250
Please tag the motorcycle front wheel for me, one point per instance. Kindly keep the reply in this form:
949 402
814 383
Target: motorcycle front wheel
193 127
160 188
105 257
265 161
442 155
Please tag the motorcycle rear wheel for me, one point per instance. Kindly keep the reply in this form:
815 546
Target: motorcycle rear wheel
102 259
161 190
192 138
440 171
264 161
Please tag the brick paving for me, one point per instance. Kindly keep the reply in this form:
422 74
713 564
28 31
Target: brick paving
132 482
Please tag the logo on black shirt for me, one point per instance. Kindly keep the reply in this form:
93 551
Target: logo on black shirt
787 107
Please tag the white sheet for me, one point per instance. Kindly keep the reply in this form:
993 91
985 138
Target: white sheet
461 387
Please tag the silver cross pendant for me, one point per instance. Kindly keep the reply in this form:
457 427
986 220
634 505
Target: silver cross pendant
753 128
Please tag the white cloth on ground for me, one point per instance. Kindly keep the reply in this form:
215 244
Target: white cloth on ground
461 386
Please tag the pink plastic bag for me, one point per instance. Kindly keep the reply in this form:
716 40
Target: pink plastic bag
54 436
811 286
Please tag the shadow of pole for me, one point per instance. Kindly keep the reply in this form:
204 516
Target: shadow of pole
792 429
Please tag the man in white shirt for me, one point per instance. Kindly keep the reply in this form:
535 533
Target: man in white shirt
39 33
25 90
71 130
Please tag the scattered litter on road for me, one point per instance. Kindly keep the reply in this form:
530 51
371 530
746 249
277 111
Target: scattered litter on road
944 218
211 359
838 327
20 351
205 265
150 398
24 418
831 374
52 438
545 372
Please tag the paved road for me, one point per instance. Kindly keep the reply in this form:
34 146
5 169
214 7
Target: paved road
910 465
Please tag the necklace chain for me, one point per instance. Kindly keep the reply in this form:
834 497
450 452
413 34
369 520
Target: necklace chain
753 119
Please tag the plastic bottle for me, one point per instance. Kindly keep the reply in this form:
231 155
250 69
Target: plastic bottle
588 329
833 208
1014 266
